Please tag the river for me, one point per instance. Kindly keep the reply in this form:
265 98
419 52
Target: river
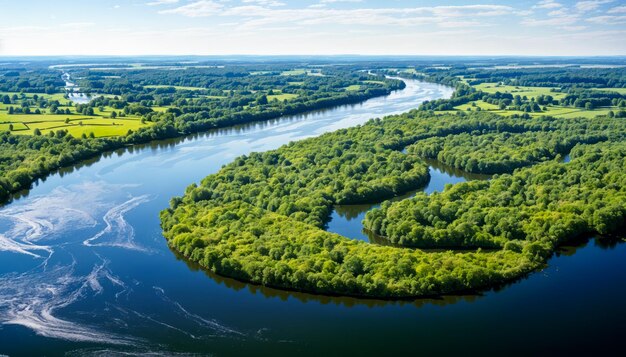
73 92
84 270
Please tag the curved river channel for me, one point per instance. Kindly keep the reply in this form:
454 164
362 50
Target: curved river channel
84 270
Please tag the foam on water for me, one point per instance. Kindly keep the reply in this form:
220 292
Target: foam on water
34 298
46 218
203 322
121 232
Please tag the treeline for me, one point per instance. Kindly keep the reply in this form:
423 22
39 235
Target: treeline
31 81
591 99
566 77
35 104
503 152
261 218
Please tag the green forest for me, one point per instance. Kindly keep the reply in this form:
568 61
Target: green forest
261 218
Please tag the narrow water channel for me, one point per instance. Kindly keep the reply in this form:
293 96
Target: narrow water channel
347 219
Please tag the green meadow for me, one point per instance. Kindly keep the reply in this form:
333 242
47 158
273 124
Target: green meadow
175 87
100 123
530 92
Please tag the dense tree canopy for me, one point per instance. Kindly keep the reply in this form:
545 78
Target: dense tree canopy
261 218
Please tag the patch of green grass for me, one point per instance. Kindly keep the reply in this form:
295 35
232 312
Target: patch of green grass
374 82
479 103
56 96
16 126
100 123
529 92
354 87
618 90
294 72
175 87
552 110
281 96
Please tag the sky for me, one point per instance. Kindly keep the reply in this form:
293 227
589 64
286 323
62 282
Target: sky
312 27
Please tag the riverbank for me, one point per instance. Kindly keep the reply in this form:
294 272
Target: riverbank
29 163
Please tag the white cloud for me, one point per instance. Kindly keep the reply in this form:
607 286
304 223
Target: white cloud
77 25
264 2
590 5
255 16
334 1
574 28
558 12
547 4
161 2
196 9
617 10
552 21
608 19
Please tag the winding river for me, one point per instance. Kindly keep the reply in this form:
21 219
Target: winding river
84 270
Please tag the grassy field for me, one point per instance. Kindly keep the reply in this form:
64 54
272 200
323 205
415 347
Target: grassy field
354 87
301 72
294 72
618 90
100 124
479 103
376 82
530 92
175 87
555 111
281 96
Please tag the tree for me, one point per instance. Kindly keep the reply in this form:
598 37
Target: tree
262 100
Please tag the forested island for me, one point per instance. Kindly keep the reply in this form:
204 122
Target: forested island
261 219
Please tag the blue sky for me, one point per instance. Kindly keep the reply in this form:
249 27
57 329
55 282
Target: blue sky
216 27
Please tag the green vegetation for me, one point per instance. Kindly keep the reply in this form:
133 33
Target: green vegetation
534 209
44 112
261 218
527 92
175 87
502 152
